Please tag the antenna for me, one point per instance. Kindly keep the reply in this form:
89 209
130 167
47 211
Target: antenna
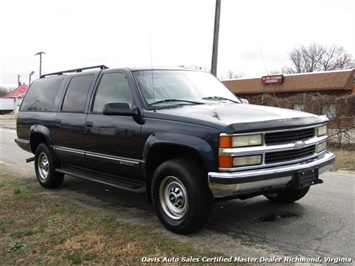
152 71
272 86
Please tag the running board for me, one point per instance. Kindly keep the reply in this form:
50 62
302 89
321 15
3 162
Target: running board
113 181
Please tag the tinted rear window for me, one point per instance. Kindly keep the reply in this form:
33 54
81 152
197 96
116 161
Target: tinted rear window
41 94
77 93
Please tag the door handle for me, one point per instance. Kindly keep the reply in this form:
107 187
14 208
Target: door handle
88 126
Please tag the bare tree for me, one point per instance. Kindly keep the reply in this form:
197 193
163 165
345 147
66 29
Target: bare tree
337 58
232 75
316 57
3 91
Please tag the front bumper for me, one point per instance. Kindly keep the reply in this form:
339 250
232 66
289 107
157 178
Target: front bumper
226 184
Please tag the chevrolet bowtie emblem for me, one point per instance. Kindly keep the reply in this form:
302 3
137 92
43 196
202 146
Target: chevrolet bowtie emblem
299 145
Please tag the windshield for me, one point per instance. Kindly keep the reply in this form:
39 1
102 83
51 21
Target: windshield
181 87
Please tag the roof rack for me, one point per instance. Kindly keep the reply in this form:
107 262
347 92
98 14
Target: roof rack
77 70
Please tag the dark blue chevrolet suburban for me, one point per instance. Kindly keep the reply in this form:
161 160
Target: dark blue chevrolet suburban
178 135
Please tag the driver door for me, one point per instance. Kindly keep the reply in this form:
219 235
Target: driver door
113 141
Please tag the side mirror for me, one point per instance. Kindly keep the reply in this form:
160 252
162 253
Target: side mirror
244 101
119 109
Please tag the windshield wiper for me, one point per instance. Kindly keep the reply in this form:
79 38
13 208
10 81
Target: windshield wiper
219 98
174 100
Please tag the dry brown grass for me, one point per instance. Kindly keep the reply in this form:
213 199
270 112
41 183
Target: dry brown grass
345 159
38 230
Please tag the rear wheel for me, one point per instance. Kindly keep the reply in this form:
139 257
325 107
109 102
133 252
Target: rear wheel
287 196
181 196
45 165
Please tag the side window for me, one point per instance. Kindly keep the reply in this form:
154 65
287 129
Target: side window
113 87
41 94
76 94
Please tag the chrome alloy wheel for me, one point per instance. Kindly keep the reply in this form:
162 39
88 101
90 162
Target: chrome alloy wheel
43 166
173 198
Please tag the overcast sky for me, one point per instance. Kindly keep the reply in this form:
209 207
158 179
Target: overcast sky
255 35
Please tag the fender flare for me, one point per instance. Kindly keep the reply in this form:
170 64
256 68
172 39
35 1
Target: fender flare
41 130
198 145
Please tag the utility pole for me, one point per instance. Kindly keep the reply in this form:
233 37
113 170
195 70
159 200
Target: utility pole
40 62
30 77
215 38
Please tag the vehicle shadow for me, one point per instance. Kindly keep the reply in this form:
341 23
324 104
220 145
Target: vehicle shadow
254 217
110 195
258 209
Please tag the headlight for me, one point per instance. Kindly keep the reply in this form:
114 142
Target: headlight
320 131
247 140
240 141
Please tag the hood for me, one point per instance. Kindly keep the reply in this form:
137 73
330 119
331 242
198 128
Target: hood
239 118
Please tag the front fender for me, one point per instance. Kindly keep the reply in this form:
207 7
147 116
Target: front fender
198 145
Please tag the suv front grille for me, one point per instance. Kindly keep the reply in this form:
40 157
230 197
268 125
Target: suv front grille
277 149
282 156
288 136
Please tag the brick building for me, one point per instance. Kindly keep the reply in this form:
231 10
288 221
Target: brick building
329 93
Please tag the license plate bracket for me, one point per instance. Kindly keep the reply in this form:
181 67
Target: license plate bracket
305 178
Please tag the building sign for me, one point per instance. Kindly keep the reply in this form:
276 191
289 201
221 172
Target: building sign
272 79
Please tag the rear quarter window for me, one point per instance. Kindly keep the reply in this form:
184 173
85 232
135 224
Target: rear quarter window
41 94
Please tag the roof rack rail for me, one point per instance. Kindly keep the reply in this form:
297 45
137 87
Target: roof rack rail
77 70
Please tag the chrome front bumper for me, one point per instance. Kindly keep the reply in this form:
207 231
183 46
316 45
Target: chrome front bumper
224 184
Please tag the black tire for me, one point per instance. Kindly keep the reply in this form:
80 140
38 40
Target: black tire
181 197
287 196
45 165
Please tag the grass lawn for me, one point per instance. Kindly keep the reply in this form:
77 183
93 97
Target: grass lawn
38 230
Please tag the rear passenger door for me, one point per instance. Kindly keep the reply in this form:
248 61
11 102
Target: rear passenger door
113 141
70 120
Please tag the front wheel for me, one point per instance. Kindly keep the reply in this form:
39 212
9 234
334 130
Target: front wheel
181 196
45 165
287 196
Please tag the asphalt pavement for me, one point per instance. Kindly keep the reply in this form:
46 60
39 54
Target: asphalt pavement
8 121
